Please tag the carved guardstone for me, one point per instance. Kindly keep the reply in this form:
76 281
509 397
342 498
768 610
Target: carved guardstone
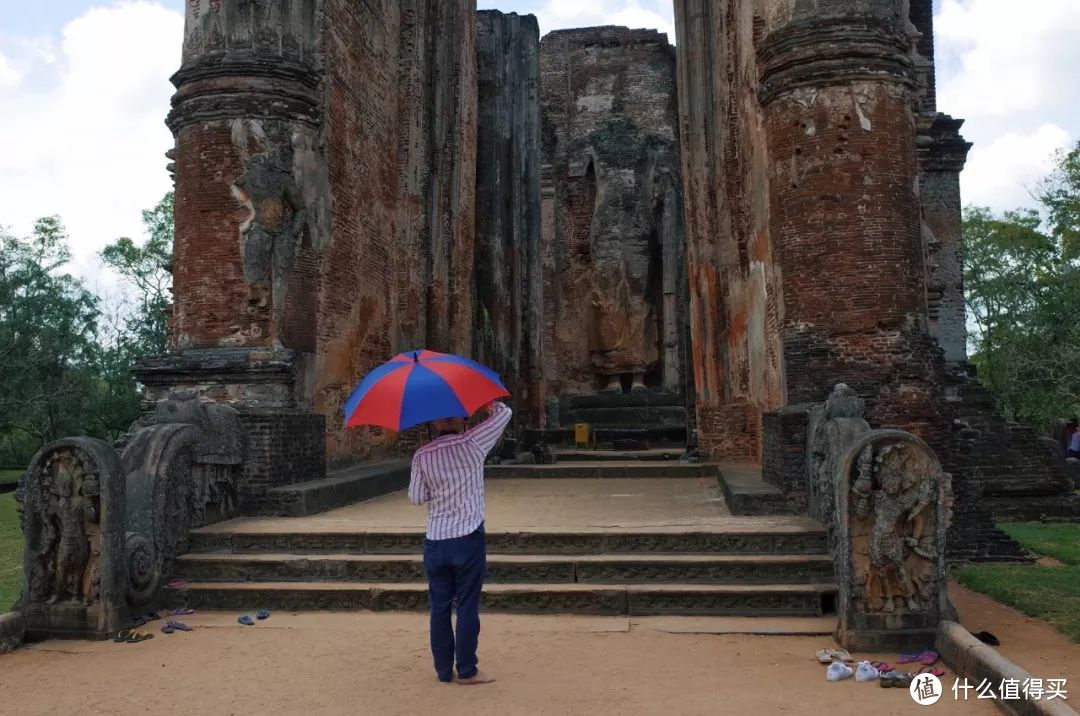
886 504
72 514
893 504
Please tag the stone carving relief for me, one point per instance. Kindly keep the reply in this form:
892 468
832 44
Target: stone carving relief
894 528
272 233
886 504
101 530
71 502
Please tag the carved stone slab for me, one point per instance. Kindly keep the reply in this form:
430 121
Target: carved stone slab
74 558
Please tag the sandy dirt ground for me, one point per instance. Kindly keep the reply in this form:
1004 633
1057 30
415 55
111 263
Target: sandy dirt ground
365 663
370 663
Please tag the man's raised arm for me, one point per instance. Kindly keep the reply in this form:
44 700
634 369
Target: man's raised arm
487 433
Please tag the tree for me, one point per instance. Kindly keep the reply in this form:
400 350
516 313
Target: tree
147 269
47 331
1022 286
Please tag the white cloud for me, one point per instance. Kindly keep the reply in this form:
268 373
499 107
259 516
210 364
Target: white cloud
650 14
84 132
9 76
1003 61
1002 173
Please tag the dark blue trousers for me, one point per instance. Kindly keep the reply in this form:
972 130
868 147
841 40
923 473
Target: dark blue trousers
455 570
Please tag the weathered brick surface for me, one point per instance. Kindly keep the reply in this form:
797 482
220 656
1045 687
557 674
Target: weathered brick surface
783 454
282 448
735 298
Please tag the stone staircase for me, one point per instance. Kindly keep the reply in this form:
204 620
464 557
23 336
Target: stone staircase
729 565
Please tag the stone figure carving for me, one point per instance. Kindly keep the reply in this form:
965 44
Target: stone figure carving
894 528
272 234
71 501
624 333
66 510
885 503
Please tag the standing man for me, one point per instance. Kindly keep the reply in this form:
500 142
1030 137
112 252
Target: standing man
448 476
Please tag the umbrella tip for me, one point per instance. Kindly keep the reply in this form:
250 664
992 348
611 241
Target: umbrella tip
416 357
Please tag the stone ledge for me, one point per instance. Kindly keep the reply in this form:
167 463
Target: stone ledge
12 631
972 659
337 490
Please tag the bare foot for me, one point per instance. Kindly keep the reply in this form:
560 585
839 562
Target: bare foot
478 678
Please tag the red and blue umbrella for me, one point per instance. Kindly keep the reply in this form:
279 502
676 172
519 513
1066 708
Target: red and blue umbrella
419 386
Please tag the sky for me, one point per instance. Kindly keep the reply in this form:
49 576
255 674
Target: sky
84 90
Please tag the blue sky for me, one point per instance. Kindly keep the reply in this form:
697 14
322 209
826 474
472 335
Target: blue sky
84 90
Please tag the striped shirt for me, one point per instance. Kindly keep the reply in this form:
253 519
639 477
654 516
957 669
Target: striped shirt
448 475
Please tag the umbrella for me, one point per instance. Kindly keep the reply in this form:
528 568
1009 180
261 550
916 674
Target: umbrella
422 385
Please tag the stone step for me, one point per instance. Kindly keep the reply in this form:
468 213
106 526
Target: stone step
654 436
658 416
607 455
794 535
711 569
645 599
599 468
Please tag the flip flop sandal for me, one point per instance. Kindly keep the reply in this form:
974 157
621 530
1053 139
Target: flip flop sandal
881 666
911 657
933 671
152 616
177 583
138 622
179 626
246 620
928 658
262 614
987 638
167 629
123 635
140 636
181 612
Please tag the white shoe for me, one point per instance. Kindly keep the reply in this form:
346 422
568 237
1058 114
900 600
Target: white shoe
865 672
838 671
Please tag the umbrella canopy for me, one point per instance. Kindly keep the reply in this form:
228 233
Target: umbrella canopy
419 386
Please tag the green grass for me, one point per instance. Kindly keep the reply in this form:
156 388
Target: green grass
10 475
10 553
1050 593
1060 541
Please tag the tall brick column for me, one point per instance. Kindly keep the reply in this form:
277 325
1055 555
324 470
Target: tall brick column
252 207
837 84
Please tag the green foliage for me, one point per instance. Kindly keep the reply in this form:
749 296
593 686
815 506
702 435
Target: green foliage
65 356
1022 286
48 322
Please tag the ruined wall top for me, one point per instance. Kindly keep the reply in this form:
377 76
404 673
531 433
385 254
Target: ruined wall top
286 28
606 36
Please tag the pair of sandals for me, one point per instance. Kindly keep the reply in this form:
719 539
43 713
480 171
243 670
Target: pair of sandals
926 657
171 626
248 621
888 677
131 636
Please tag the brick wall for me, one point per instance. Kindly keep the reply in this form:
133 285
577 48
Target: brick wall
282 448
783 459
208 280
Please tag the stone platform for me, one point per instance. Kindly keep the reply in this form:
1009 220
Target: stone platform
611 545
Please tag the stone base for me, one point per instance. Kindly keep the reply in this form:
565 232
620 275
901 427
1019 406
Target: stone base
898 640
12 631
70 621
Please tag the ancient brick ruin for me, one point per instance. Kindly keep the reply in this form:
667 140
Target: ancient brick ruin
726 228
743 250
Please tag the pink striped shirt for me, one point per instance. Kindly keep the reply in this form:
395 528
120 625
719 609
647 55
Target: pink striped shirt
448 475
